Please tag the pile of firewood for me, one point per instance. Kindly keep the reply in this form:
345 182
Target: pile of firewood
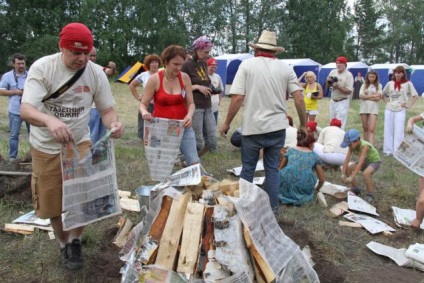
199 235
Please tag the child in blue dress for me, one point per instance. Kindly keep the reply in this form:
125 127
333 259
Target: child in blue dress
297 178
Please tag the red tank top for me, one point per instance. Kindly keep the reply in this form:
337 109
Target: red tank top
170 106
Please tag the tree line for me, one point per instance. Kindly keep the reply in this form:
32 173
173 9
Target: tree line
372 31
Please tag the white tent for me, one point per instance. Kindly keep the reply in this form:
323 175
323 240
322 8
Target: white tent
303 65
228 65
417 78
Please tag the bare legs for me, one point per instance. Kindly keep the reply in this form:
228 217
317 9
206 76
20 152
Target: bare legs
369 122
61 235
367 174
310 117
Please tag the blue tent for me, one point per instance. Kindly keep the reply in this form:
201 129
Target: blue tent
417 78
228 65
303 65
384 71
353 67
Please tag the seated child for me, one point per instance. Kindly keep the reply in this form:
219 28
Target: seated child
369 162
297 179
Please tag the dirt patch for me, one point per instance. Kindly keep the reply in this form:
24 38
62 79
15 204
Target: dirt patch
328 272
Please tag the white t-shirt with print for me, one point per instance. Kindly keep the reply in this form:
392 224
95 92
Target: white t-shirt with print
398 96
47 75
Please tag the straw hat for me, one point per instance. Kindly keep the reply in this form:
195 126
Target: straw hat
267 41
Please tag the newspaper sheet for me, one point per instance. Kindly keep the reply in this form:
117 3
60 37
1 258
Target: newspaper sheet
162 140
416 252
404 217
237 170
32 219
332 189
358 204
411 151
90 189
371 224
281 254
186 177
232 253
258 181
397 255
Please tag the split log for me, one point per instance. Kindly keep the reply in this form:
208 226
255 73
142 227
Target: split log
261 264
168 245
190 242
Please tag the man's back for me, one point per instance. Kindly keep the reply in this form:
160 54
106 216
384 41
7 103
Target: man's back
264 82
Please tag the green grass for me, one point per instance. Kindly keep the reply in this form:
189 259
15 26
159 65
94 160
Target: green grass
35 258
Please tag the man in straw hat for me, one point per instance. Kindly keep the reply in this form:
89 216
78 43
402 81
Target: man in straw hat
260 85
61 120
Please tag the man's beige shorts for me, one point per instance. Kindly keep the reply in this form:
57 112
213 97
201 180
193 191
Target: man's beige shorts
46 182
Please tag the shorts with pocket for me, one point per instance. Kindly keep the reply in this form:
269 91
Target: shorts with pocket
46 181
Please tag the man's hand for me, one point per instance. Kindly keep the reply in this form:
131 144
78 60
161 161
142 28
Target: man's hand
117 129
60 131
223 130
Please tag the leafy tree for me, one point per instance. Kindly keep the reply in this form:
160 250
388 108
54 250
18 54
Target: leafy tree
404 40
318 29
369 29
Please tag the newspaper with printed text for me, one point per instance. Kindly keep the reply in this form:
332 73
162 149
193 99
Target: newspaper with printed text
90 189
162 139
404 217
371 224
411 151
281 254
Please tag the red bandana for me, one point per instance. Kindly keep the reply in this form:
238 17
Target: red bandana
398 83
264 54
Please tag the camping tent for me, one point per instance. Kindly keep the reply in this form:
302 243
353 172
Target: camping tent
353 67
303 65
417 78
130 73
228 65
385 70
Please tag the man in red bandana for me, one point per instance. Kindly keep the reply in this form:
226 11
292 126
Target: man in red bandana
340 82
63 119
260 85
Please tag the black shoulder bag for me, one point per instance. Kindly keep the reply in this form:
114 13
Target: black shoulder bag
66 86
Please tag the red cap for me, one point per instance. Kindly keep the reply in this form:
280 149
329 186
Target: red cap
76 37
211 61
335 122
341 59
311 126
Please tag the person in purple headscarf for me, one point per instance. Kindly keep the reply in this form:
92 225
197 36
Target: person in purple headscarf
203 120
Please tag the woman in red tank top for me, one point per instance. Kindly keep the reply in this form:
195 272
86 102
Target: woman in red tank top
172 93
